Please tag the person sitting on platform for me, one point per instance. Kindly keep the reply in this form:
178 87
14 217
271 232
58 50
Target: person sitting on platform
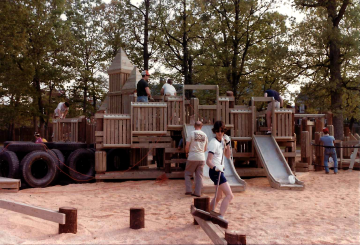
195 148
329 142
38 138
219 147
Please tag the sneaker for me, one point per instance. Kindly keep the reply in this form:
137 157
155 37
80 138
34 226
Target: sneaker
193 194
188 193
268 132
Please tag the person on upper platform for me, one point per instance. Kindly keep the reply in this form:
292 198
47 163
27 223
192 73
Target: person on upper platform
277 103
168 89
142 88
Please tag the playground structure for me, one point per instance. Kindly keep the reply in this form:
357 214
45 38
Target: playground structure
126 138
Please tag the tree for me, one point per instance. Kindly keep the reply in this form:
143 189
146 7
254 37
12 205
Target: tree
241 39
88 56
330 52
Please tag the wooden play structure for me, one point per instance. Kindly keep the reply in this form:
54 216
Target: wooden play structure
139 129
136 140
66 217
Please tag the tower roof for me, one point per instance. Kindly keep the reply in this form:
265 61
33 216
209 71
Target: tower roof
131 82
121 63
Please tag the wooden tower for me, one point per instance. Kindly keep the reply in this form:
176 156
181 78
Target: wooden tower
119 72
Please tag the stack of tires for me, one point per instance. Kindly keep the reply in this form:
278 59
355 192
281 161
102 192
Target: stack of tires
40 165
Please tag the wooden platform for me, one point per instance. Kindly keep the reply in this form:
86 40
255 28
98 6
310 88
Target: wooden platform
9 185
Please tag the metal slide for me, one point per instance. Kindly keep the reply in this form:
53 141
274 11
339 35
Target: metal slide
234 180
274 163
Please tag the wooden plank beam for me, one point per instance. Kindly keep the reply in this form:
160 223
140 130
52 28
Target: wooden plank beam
33 211
216 235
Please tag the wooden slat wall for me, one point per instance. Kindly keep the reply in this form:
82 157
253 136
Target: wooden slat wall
116 104
175 111
224 110
117 129
150 117
241 119
66 130
207 116
284 126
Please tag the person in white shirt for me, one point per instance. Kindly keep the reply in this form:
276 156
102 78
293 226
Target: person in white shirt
61 110
195 148
218 148
168 89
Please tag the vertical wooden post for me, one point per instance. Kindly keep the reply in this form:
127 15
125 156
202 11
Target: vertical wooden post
331 129
319 152
329 118
231 94
70 225
235 238
137 218
202 203
305 147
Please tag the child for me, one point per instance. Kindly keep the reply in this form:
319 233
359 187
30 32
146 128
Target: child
219 146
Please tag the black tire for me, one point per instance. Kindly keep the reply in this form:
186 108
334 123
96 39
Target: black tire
25 147
118 159
82 165
60 161
38 169
68 146
49 145
92 149
9 165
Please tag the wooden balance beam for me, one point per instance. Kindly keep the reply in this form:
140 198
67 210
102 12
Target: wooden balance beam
216 234
206 216
66 217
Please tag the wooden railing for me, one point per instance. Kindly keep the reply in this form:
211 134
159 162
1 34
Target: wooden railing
242 121
207 114
283 123
66 129
117 130
149 118
175 108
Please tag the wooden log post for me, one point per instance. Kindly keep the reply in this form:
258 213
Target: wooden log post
305 147
70 225
329 118
331 129
202 203
137 218
235 238
319 152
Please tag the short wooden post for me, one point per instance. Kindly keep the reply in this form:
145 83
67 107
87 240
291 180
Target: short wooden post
70 225
235 238
137 218
202 203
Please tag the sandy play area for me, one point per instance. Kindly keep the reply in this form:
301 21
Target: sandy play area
326 212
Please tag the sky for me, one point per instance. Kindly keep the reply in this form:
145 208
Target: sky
284 7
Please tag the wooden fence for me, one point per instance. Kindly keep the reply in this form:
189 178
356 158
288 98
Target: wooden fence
149 118
283 123
242 121
175 110
74 130
117 131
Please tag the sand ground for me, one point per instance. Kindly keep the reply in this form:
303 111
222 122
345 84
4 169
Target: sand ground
326 212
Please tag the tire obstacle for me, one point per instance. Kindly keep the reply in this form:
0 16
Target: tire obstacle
214 226
66 217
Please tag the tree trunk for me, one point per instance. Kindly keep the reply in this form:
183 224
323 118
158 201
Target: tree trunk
146 35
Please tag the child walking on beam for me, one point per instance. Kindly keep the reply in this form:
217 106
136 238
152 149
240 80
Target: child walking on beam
217 149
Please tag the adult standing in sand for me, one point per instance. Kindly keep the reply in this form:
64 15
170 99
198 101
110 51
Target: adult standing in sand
195 149
328 142
218 148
